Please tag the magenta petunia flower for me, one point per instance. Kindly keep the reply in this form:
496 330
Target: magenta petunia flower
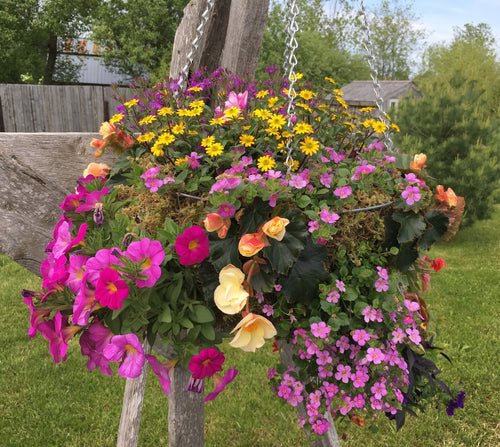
102 260
163 370
83 306
37 313
63 241
150 254
192 246
221 382
53 272
75 270
206 363
57 333
92 343
111 290
126 349
91 199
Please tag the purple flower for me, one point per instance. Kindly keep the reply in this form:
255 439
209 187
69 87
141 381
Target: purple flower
221 382
268 310
127 350
226 210
343 192
272 200
411 194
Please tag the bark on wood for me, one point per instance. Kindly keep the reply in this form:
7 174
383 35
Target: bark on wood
133 398
37 171
331 439
232 38
186 412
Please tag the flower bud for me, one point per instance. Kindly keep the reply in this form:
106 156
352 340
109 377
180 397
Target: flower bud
418 163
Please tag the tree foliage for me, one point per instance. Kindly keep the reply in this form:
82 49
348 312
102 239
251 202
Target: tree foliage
137 35
28 41
325 41
395 38
448 125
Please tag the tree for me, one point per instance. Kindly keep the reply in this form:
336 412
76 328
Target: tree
137 35
28 42
325 39
448 125
395 38
471 54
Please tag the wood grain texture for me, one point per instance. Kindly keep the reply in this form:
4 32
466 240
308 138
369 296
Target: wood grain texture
37 171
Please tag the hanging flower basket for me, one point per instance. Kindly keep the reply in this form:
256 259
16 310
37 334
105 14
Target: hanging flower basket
226 215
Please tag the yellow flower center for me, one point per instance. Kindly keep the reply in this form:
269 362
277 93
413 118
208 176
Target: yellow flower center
252 327
193 245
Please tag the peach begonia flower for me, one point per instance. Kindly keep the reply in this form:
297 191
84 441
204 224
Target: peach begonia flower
252 332
214 222
418 163
250 244
275 227
230 296
449 197
97 170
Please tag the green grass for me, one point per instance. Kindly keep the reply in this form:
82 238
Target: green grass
43 404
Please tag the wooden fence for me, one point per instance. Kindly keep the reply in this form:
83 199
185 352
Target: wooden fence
56 108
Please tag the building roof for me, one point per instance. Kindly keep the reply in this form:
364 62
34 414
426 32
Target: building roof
361 93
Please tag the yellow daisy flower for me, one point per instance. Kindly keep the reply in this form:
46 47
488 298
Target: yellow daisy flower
247 140
379 127
330 80
157 149
208 141
195 89
116 118
179 161
262 94
166 138
307 95
218 121
265 163
179 128
147 120
215 149
276 121
303 128
131 103
165 111
272 101
197 104
309 146
146 137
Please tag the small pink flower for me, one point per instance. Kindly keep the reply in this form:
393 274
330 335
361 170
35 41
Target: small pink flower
343 192
411 194
320 330
192 246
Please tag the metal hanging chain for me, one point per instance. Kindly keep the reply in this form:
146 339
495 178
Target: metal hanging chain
289 65
196 43
368 44
286 53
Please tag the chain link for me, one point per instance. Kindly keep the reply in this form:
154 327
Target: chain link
289 65
368 44
196 43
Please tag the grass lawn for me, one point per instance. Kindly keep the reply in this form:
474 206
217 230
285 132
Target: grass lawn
44 404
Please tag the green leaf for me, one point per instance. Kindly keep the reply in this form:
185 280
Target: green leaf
255 214
282 254
208 331
224 251
358 307
412 225
350 294
439 222
165 316
201 314
303 201
408 254
306 274
185 322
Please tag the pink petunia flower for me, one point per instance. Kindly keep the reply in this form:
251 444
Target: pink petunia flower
127 350
163 371
149 254
58 334
111 290
192 246
221 382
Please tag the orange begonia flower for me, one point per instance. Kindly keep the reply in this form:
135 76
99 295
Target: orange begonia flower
214 222
449 197
275 227
418 163
250 244
97 170
252 332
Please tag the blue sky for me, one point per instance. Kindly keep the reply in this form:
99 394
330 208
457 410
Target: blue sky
440 16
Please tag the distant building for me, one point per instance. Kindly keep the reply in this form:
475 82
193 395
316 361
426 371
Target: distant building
359 94
93 71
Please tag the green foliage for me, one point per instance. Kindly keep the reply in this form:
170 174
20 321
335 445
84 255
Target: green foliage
449 125
138 34
28 42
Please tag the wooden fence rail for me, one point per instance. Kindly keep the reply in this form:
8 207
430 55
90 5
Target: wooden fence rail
56 108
